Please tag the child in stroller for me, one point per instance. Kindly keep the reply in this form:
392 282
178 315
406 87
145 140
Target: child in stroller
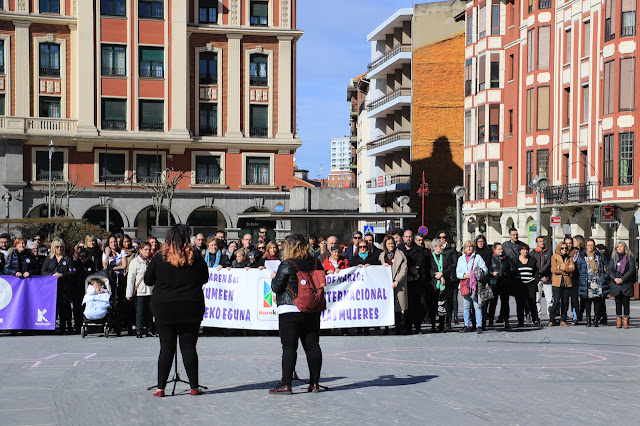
97 303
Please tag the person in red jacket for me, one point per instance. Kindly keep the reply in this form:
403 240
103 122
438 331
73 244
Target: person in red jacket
335 261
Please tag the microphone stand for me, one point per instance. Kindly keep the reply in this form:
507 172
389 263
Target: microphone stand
176 377
295 377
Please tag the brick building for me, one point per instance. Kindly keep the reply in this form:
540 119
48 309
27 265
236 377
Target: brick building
341 179
550 90
129 88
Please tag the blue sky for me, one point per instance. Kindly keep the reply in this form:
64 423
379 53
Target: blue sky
333 50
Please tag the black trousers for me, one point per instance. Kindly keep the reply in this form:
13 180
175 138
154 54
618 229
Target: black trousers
597 304
64 299
77 295
431 303
305 327
143 314
560 300
188 336
530 291
416 308
622 306
502 292
519 291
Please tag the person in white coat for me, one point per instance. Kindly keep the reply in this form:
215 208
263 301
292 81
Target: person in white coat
471 268
138 289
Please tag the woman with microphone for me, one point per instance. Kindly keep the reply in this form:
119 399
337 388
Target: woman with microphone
177 303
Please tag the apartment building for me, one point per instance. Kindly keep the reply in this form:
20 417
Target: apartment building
341 153
341 179
128 89
550 90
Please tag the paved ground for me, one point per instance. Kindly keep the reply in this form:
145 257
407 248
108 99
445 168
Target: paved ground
574 375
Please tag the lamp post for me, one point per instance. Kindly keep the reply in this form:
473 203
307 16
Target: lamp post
458 192
539 183
52 150
7 199
106 201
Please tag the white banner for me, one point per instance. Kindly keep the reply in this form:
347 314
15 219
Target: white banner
356 297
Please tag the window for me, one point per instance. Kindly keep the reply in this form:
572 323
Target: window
585 104
49 107
113 169
586 41
50 6
511 15
258 70
114 114
567 47
49 60
481 132
543 108
152 62
467 77
113 7
544 43
152 116
493 180
467 128
626 158
610 20
531 48
148 167
114 60
480 181
529 110
469 28
567 169
584 163
207 170
258 171
467 179
494 123
495 70
2 112
208 13
153 9
42 166
529 173
259 121
512 64
495 17
481 72
608 88
208 68
208 119
628 24
482 22
543 163
510 181
544 4
566 119
259 13
1 56
627 84
530 6
510 122
608 160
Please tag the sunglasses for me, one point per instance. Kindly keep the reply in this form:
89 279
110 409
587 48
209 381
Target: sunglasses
563 248
443 237
355 237
364 247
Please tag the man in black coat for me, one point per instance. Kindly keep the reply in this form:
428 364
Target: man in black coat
501 272
415 280
542 256
352 250
370 240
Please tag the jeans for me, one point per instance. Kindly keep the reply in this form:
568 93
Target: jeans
467 309
560 299
188 335
305 327
143 314
622 305
575 301
545 288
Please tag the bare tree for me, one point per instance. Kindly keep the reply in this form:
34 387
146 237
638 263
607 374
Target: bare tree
172 179
163 188
61 194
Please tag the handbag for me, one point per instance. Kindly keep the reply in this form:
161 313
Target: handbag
485 293
464 283
442 309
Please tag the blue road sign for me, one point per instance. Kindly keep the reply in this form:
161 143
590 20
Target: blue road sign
368 229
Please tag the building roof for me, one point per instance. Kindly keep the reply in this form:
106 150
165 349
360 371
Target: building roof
392 22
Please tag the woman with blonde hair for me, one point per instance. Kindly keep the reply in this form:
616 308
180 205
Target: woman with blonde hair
562 268
62 267
622 275
177 275
295 325
471 267
392 257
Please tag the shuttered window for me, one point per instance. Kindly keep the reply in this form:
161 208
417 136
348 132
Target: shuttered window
481 118
529 110
494 123
544 47
482 68
608 88
531 48
543 108
627 84
152 115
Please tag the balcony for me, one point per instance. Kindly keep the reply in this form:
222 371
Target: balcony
544 4
384 145
114 72
112 179
388 183
49 72
398 55
114 125
208 131
208 78
256 80
390 102
151 73
56 176
628 31
259 132
574 193
208 180
152 127
38 126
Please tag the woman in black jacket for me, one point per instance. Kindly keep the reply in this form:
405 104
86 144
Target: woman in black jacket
364 256
296 325
501 273
440 272
622 274
20 261
63 268
177 303
527 285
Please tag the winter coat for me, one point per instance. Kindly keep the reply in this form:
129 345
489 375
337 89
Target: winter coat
448 269
415 259
628 277
210 259
464 267
582 267
543 262
369 260
21 262
506 271
398 273
511 249
328 266
561 269
65 266
527 272
135 278
287 276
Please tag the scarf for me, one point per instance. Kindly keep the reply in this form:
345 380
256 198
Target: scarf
389 257
364 255
592 262
271 257
439 264
207 258
472 275
622 264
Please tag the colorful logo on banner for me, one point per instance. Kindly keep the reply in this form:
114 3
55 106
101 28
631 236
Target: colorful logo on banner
269 297
268 309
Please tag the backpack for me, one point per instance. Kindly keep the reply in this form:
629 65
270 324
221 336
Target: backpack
310 296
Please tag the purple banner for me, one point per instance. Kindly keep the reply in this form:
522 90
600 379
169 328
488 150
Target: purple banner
28 303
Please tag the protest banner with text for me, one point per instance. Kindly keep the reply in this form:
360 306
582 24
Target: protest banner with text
28 303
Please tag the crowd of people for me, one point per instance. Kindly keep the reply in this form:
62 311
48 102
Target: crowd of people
428 277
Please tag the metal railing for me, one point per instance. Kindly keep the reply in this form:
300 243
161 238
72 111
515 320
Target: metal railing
628 31
208 78
386 180
259 132
120 72
544 4
208 180
387 139
152 73
114 124
152 127
608 36
49 71
390 54
574 193
2 69
256 80
56 176
113 179
402 91
208 131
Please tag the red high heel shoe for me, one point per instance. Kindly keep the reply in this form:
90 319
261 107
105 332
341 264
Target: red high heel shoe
196 391
159 393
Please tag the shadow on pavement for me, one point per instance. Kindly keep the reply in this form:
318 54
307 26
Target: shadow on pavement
389 380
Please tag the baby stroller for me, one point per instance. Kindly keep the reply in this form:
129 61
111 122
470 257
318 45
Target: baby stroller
107 320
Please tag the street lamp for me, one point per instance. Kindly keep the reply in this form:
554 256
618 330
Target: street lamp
458 192
52 150
106 201
7 199
539 183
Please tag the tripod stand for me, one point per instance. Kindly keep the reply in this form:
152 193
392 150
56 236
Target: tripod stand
295 377
176 377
